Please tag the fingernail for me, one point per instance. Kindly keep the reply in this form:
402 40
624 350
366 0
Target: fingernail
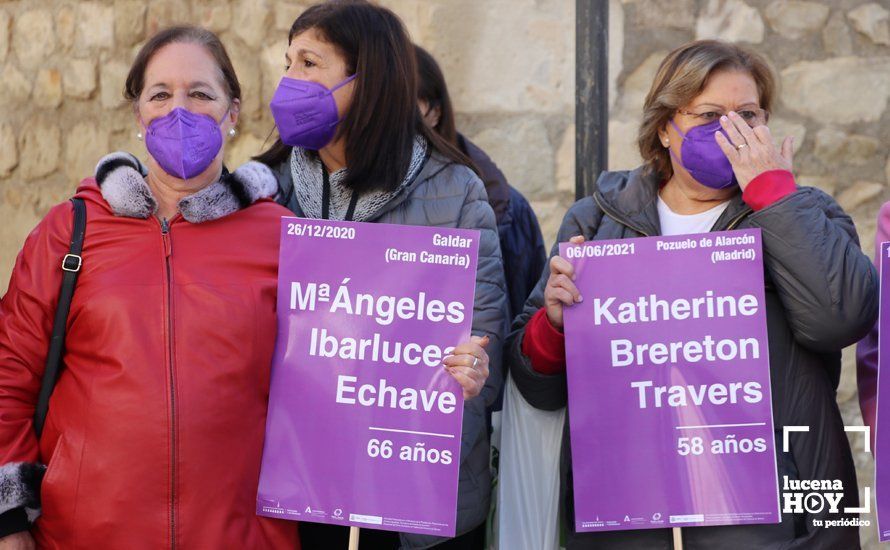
580 298
724 118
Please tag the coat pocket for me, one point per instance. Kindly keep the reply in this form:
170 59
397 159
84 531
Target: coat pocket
58 493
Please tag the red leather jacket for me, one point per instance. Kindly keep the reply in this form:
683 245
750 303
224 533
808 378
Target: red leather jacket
155 428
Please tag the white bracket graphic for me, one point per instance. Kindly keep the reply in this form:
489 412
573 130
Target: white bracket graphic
862 509
866 431
786 430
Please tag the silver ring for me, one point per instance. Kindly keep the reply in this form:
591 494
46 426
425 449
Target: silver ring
739 147
475 362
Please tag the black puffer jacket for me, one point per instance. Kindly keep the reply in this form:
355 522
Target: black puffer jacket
821 296
522 244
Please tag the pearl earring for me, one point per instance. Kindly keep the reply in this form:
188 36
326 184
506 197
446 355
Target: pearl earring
232 132
139 136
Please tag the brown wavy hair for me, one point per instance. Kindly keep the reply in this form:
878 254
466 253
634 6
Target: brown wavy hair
681 77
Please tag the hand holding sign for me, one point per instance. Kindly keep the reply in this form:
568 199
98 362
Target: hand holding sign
678 359
561 290
469 365
374 350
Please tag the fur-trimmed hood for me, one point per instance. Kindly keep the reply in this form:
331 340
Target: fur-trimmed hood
20 487
121 178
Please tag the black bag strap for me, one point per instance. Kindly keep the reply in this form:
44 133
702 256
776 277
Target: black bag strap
71 264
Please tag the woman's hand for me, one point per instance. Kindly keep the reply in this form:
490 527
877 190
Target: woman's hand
468 364
751 151
18 541
561 290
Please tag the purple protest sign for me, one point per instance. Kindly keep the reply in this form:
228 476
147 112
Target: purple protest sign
364 423
882 437
669 389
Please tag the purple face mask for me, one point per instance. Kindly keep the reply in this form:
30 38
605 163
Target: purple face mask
702 157
305 112
183 143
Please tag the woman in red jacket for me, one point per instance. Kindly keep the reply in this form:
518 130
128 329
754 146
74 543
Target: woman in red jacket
155 428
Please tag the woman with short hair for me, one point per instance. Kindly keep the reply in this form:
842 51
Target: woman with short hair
155 428
710 164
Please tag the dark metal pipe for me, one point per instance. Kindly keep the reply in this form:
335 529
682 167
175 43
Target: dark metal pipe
591 93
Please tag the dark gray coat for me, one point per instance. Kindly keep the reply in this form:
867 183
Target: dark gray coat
821 296
446 194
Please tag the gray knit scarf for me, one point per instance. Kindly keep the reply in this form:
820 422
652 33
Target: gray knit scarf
306 170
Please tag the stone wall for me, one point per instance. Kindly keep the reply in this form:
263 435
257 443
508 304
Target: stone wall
510 67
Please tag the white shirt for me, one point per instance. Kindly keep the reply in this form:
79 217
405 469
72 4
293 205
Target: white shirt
680 224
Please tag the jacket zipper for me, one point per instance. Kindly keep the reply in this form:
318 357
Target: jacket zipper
168 251
738 219
732 224
618 218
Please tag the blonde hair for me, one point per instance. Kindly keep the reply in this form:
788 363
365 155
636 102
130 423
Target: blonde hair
681 77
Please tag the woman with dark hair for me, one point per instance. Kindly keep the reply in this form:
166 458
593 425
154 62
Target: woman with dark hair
353 147
155 428
522 245
711 165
